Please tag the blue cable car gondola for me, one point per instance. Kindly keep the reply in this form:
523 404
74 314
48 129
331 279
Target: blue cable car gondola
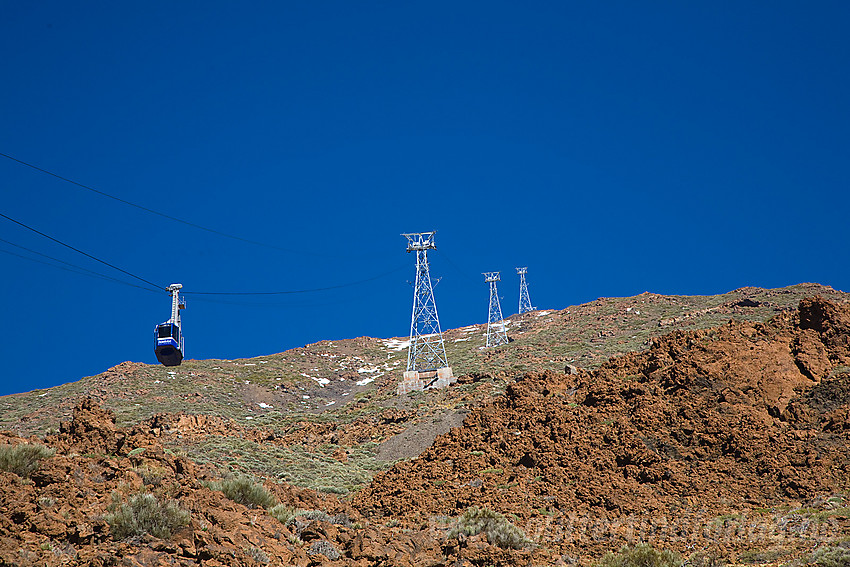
168 340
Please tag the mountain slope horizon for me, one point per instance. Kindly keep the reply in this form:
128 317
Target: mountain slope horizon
727 440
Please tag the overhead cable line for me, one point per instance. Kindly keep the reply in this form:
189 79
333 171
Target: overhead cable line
73 267
158 287
456 268
146 209
72 270
86 254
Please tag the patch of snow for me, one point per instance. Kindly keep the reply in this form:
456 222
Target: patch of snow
172 373
264 405
330 403
459 340
320 381
247 381
263 361
157 382
249 364
543 313
44 394
396 345
346 393
367 370
248 417
306 397
365 381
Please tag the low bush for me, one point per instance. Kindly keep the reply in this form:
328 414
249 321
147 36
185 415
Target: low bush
705 559
257 555
318 515
641 555
831 557
495 526
145 513
23 459
150 475
324 548
243 490
283 513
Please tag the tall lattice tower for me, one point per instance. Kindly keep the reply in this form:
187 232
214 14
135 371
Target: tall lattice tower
524 301
427 366
496 332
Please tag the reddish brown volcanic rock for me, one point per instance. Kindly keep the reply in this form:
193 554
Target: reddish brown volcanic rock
57 516
706 422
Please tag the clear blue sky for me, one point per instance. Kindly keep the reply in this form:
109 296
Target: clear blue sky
611 147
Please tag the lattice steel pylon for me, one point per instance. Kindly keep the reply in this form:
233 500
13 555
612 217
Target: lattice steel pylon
427 351
524 301
496 332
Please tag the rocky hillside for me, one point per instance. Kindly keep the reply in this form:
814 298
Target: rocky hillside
722 429
747 420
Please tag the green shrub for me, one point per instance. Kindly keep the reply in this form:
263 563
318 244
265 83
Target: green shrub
23 459
324 548
641 555
283 513
831 557
705 559
495 526
243 490
150 475
145 513
318 515
257 555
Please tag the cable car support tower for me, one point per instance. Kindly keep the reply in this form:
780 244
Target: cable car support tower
497 334
524 301
427 366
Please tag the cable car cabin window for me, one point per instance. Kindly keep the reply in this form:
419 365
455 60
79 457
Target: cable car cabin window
165 331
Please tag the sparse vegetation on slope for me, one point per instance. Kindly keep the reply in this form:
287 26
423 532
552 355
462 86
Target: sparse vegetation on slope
831 557
23 459
641 555
144 513
244 490
496 527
